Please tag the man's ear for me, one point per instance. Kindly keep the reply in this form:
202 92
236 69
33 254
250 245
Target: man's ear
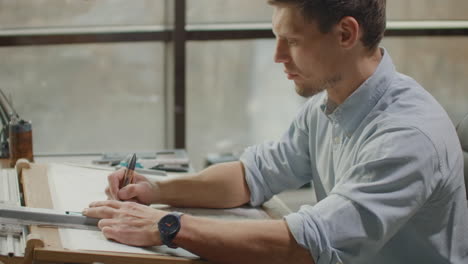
349 32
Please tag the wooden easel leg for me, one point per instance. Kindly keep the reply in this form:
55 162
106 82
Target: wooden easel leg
33 241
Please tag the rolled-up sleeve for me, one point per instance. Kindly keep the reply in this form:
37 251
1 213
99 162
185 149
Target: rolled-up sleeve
276 166
392 177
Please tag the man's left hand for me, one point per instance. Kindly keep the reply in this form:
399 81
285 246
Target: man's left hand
127 222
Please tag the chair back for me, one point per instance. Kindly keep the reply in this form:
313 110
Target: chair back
462 130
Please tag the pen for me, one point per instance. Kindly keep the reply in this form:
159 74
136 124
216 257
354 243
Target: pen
129 171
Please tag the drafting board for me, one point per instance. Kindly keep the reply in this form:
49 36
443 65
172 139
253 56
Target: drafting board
53 245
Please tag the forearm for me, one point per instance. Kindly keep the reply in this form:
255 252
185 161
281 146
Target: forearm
219 186
241 241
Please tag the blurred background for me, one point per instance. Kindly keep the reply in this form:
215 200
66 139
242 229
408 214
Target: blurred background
100 76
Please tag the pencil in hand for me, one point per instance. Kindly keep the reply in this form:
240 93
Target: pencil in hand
129 172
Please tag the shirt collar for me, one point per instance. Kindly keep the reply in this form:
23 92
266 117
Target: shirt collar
357 106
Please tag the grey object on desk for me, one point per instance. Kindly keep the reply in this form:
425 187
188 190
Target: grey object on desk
37 216
164 157
215 158
147 171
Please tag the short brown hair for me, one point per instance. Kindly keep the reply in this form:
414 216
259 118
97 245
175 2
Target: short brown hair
370 15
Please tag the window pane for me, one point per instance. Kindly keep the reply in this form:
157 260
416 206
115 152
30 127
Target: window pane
427 9
439 65
236 97
227 11
60 13
88 98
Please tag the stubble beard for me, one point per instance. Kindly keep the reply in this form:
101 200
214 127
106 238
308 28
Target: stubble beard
310 89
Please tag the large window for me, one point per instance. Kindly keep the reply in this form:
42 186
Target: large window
227 11
119 75
427 10
236 96
83 94
59 13
439 65
88 98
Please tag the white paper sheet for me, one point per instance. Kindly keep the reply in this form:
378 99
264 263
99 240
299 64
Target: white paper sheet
73 188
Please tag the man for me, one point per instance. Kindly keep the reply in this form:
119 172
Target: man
382 154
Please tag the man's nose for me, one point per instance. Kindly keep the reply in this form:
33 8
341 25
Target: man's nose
281 52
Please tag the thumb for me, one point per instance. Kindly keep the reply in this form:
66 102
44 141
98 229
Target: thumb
128 192
109 233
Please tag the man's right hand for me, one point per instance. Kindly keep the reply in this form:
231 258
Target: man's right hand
219 186
141 190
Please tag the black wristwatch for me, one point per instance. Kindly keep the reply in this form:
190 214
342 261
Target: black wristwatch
169 226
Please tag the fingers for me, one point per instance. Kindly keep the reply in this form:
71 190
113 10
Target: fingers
100 212
108 223
108 203
128 192
133 200
138 177
113 209
103 209
109 195
127 222
114 180
144 192
110 233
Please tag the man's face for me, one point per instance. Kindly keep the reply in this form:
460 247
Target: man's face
310 58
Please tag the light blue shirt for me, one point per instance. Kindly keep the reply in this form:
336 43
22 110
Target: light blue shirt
387 170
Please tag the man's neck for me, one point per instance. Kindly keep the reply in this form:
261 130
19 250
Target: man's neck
354 74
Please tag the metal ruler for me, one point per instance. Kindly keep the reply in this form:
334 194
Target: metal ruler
17 215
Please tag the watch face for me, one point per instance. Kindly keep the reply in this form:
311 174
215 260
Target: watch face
169 224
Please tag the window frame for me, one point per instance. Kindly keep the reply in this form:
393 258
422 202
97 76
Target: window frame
178 33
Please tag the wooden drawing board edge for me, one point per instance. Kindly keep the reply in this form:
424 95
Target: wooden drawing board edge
11 260
35 184
82 256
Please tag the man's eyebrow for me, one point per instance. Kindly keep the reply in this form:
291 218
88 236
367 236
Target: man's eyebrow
293 35
289 34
